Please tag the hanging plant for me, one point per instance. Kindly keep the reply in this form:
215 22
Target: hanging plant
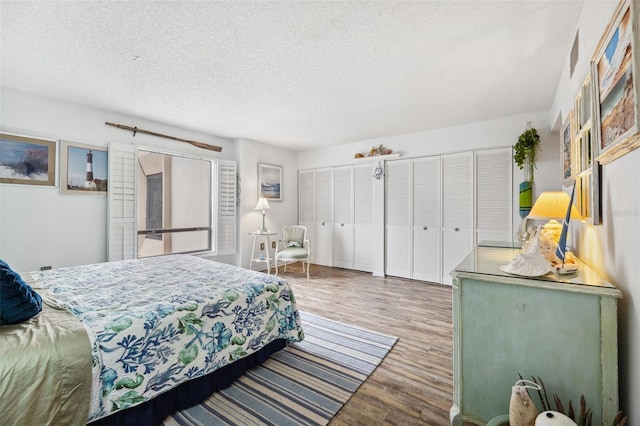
525 151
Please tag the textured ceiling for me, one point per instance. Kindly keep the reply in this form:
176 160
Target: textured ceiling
296 74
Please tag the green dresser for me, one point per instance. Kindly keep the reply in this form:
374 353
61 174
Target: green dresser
561 328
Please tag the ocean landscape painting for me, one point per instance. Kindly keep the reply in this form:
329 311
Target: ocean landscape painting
25 160
615 83
270 182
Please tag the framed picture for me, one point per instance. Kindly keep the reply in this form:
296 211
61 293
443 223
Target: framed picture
566 147
270 182
26 160
614 70
583 169
83 169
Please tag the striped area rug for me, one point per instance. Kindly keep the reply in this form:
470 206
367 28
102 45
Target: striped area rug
304 384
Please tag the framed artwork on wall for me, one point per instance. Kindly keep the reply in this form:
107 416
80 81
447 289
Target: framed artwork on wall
27 160
83 169
614 69
566 147
583 169
270 182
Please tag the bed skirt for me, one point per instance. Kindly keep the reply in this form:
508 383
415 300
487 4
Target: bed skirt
190 393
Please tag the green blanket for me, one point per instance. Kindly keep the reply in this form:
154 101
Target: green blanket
45 370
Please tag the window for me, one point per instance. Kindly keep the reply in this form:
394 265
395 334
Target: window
173 204
163 203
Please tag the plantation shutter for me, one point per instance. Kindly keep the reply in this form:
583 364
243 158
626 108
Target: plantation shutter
121 202
227 207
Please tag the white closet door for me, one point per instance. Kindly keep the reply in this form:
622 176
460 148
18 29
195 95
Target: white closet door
494 208
343 217
398 214
122 202
457 210
324 227
306 197
306 208
426 219
363 217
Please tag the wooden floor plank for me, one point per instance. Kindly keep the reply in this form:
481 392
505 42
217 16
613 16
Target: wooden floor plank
414 384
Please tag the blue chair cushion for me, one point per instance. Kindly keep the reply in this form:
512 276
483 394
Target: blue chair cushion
18 301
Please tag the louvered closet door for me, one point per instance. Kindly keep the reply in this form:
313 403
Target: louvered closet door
363 217
324 208
306 213
426 219
343 217
398 214
494 217
457 210
122 202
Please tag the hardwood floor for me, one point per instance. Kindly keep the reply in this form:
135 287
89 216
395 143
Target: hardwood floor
414 383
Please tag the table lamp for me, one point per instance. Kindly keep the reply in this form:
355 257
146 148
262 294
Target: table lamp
553 205
262 205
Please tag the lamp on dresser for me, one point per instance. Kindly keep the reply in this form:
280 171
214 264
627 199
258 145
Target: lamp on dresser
551 206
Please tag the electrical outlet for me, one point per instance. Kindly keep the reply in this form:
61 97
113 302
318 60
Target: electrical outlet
273 244
45 268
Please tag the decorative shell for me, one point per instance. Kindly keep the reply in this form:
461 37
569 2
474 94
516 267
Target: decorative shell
535 260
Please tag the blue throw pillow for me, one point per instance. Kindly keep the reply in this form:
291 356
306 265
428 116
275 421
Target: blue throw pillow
18 301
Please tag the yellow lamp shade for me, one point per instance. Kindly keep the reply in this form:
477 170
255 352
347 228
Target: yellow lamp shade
553 205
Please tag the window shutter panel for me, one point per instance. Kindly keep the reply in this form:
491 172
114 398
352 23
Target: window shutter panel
227 207
121 200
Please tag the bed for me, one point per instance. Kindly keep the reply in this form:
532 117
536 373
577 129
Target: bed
130 342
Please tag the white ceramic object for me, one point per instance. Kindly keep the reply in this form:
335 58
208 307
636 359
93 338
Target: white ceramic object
553 418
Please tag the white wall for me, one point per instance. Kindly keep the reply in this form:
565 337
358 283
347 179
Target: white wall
486 134
39 226
281 213
613 248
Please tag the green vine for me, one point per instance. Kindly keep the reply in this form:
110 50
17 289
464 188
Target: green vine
525 151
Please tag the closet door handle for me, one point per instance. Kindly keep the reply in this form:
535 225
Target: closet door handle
322 223
424 228
456 229
342 224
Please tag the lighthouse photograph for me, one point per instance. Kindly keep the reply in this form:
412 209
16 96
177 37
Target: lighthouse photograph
85 169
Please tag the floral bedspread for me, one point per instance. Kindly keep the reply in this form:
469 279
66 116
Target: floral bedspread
157 322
